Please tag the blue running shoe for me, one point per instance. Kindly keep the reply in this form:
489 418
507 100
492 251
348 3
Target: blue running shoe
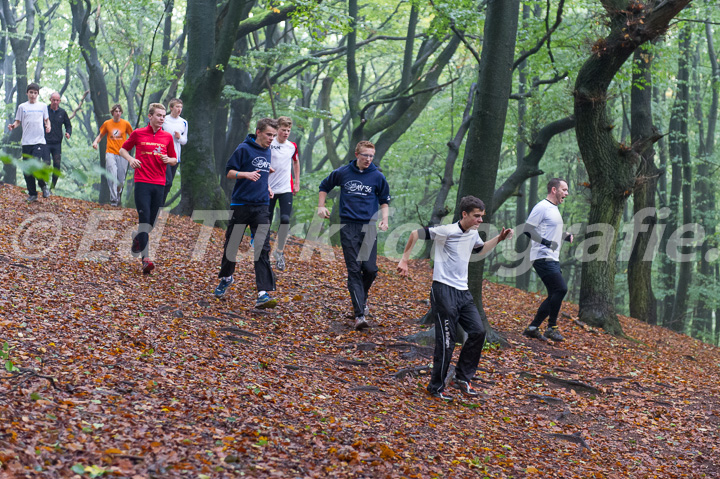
265 302
223 286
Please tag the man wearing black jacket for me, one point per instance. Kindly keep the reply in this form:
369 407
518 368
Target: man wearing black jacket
362 190
250 167
58 118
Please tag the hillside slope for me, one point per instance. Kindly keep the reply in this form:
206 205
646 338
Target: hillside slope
151 376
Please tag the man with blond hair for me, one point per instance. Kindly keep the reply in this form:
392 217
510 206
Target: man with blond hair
154 151
363 189
178 128
284 182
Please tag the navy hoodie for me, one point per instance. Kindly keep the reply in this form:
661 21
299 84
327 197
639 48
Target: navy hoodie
249 156
361 191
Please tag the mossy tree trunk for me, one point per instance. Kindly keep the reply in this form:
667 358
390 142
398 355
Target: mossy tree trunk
484 141
643 304
611 166
212 34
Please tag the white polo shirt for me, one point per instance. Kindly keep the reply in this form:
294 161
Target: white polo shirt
451 253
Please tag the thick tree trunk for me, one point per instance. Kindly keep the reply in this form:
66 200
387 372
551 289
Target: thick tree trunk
81 12
440 209
209 50
20 43
484 143
611 167
643 304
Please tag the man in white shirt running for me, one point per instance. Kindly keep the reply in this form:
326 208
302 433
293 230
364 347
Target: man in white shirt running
35 121
451 301
544 226
177 126
284 182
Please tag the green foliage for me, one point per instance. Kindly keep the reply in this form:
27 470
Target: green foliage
5 357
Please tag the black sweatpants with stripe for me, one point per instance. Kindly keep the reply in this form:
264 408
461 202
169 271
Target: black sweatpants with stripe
450 307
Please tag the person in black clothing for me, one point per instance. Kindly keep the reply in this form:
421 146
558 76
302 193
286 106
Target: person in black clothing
250 167
53 139
362 189
450 298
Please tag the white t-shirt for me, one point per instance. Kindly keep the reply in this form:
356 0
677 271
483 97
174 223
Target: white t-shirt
32 118
452 250
283 155
545 217
172 125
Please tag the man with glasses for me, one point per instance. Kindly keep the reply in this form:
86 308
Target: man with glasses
362 190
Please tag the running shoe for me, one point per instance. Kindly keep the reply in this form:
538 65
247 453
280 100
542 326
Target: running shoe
265 302
223 286
554 334
534 333
46 192
147 266
360 323
32 198
442 395
465 387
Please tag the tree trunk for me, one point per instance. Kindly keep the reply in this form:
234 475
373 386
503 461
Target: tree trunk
611 167
20 43
643 304
209 50
440 209
678 143
87 38
484 143
706 192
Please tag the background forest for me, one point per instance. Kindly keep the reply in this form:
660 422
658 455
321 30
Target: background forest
483 97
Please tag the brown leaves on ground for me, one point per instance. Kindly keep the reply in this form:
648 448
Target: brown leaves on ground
154 377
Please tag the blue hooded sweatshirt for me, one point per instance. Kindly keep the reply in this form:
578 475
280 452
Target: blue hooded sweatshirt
361 191
249 156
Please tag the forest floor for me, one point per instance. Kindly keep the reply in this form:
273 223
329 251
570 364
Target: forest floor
137 376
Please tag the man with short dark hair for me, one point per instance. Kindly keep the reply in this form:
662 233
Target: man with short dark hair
154 151
117 131
544 226
250 167
363 189
35 121
54 138
178 128
451 301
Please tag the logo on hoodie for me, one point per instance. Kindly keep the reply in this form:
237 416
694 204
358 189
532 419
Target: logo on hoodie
261 163
357 187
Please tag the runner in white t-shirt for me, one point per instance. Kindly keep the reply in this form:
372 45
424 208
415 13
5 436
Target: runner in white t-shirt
35 121
451 301
284 183
177 126
544 226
